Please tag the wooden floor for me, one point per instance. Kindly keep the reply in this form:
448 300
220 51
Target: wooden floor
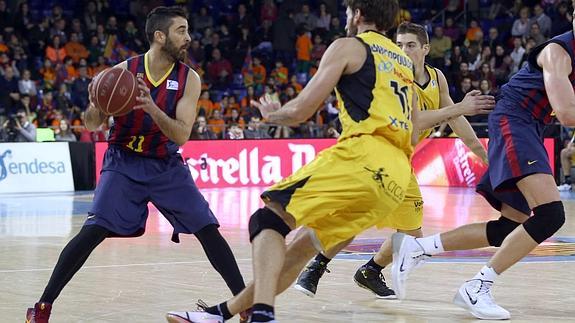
138 280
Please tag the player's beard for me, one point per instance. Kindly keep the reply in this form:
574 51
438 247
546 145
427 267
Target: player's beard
351 29
177 54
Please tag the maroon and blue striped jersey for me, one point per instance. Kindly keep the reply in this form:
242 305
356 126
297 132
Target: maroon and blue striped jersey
136 131
527 87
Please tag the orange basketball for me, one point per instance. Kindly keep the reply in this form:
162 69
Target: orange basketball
115 91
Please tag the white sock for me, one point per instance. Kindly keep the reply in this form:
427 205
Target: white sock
486 273
431 245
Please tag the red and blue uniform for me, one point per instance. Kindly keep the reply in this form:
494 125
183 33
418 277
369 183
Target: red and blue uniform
516 127
142 165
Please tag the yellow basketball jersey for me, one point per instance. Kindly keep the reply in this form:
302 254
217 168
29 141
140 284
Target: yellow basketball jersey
428 96
377 99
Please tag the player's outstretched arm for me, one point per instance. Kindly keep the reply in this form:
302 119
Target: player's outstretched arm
479 104
333 64
94 117
179 129
556 65
460 125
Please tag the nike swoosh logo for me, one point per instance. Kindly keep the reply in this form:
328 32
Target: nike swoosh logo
473 301
401 267
435 244
531 162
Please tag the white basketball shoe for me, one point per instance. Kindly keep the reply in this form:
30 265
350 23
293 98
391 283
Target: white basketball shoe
408 254
475 296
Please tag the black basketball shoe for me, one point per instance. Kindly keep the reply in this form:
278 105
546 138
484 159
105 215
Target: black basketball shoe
373 280
309 278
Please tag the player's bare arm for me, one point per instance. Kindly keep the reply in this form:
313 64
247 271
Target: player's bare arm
556 65
482 104
94 117
179 129
344 56
460 125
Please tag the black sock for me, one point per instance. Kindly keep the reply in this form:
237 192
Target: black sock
371 263
221 257
568 179
262 313
323 260
71 259
221 309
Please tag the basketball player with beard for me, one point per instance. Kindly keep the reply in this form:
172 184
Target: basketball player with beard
142 163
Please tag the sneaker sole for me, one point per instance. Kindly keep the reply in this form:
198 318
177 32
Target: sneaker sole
302 289
398 287
462 302
176 319
376 295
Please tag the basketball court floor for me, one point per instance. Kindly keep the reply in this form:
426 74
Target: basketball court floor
138 280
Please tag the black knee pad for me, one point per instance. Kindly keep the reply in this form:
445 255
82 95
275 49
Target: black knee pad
265 218
546 220
498 230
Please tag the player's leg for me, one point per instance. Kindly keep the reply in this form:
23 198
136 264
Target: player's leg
523 166
268 228
71 259
408 216
548 217
308 279
115 194
297 254
221 257
566 155
179 200
407 219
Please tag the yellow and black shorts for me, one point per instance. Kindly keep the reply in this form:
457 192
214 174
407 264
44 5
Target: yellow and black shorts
409 214
347 189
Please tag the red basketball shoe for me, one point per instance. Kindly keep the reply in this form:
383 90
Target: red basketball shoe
39 314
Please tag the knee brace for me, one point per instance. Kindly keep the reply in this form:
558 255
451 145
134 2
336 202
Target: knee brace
265 218
546 220
498 230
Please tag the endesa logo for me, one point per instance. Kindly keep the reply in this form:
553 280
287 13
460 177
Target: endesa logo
32 167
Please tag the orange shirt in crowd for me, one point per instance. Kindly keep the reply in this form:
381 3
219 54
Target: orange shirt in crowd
303 47
471 34
280 75
260 74
217 125
207 105
76 51
248 75
56 55
71 73
48 75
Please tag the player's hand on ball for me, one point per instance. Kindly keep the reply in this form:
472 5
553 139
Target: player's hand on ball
145 100
266 106
91 92
477 103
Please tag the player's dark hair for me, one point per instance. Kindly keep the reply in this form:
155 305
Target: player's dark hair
382 13
161 18
415 29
